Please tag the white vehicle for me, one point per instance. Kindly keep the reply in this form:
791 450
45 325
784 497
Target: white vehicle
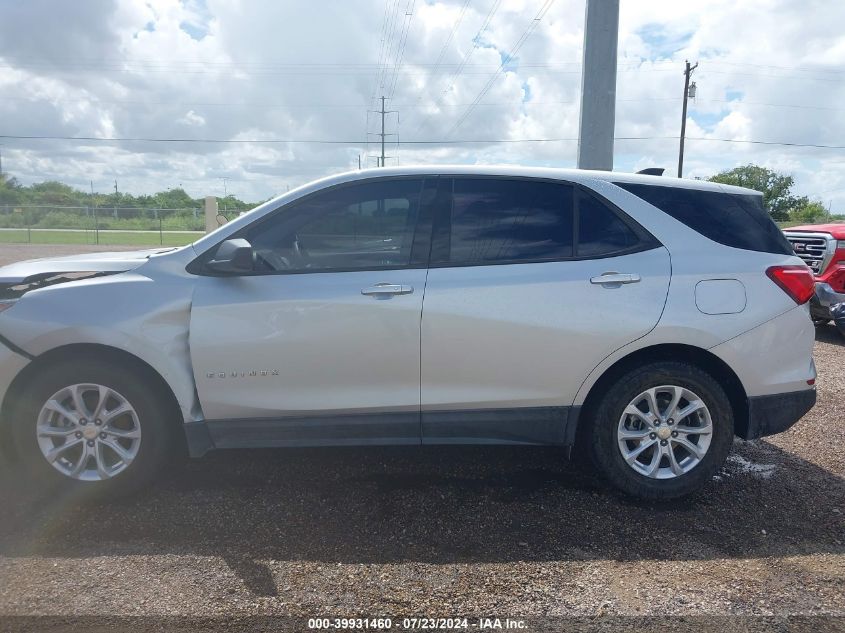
647 320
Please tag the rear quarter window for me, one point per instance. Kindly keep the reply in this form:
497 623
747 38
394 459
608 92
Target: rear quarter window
735 220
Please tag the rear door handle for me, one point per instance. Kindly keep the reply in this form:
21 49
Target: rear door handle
615 279
387 290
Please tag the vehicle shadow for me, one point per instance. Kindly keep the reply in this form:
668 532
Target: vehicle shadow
434 505
829 334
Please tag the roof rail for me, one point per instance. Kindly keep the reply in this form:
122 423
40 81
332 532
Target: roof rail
652 171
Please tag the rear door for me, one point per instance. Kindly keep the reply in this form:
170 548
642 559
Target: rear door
532 283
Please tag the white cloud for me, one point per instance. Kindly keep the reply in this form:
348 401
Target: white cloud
192 119
221 69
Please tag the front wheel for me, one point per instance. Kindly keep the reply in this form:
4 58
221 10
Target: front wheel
92 427
662 431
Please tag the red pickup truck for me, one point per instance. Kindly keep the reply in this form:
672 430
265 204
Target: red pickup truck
822 247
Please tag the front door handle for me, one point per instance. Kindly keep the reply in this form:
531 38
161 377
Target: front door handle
615 279
387 290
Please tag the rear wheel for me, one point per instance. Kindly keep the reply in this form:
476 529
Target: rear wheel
662 431
92 427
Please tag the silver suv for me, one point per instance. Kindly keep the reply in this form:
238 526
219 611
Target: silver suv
645 320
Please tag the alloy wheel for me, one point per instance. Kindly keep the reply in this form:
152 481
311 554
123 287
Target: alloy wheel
88 432
664 432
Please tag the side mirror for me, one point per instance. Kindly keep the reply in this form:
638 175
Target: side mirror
233 257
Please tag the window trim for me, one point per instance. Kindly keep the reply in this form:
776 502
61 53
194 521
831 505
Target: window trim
420 238
441 232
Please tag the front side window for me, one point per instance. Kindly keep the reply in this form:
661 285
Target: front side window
355 227
500 221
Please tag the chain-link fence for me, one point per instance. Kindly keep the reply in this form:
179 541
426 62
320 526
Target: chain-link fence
50 224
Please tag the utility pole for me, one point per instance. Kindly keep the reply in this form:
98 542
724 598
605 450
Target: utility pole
382 130
687 74
225 195
96 220
383 134
598 85
1 160
116 194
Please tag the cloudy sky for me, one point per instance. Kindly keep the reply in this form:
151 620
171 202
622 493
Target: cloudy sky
301 71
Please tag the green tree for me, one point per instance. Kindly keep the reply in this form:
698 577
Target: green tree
777 188
58 194
176 199
811 212
53 192
11 191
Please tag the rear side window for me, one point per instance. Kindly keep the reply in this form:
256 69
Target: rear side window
498 221
600 230
731 219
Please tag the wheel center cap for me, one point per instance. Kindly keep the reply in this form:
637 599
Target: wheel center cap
664 432
89 432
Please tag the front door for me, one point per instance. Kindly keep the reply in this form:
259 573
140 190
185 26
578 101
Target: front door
519 309
323 341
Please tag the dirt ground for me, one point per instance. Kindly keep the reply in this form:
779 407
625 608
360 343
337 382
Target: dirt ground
496 532
10 253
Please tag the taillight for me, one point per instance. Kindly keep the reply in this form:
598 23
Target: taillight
796 281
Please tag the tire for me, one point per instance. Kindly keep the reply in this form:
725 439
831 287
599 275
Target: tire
605 444
122 473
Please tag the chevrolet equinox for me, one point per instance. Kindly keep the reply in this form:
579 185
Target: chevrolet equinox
645 320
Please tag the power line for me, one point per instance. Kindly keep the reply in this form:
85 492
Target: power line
782 76
211 67
381 58
382 64
803 69
99 61
500 104
403 42
476 43
523 38
414 142
371 71
446 45
381 43
451 36
391 29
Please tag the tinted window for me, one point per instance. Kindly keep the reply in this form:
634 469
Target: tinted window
732 219
363 226
600 230
496 220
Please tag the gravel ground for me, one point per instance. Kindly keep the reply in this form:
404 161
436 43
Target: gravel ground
443 532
